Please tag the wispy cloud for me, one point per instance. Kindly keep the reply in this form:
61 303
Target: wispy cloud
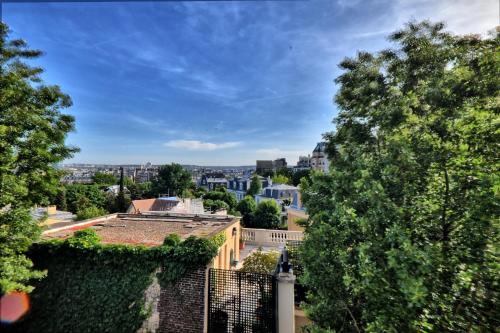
152 124
199 145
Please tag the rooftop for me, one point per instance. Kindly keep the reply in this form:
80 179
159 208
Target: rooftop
150 229
281 187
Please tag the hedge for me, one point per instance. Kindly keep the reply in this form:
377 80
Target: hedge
93 287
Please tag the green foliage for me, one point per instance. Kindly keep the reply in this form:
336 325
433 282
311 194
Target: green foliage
410 208
255 186
17 231
89 212
247 208
172 240
32 141
84 239
261 262
103 285
286 172
221 195
281 179
60 199
214 205
101 178
267 215
172 179
299 174
140 190
79 196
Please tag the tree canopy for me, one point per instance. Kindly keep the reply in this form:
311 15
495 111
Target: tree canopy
255 186
102 178
267 215
172 179
247 207
221 195
409 211
281 179
32 141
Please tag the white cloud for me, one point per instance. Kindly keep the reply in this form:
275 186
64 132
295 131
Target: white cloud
198 145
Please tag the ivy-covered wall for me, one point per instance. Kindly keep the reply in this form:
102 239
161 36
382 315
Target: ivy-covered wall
92 287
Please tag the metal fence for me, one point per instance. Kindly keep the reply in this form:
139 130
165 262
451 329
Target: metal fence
293 248
241 302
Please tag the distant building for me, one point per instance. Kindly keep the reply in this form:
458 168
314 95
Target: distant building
240 185
279 163
263 166
319 159
278 192
304 162
213 175
115 189
214 183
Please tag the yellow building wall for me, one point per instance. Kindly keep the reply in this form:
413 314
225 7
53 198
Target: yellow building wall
293 216
222 260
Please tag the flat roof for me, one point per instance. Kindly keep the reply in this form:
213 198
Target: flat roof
146 229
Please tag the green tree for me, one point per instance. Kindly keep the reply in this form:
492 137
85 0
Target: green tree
101 178
140 190
261 262
214 205
267 215
60 199
287 172
299 174
255 186
410 208
223 195
32 141
172 179
280 179
247 208
122 200
79 196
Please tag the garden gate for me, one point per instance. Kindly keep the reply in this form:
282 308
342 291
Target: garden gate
241 302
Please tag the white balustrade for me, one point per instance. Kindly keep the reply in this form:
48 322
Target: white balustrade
267 237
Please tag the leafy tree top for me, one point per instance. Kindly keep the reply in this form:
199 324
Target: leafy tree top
172 179
267 215
409 207
255 186
102 178
281 179
32 140
32 128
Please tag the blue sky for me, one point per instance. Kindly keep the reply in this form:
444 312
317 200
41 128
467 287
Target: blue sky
212 83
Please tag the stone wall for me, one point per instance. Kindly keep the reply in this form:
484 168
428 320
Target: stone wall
182 305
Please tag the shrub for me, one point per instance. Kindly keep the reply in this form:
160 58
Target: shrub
90 212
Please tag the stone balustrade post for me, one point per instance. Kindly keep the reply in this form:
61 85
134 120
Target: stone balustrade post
286 302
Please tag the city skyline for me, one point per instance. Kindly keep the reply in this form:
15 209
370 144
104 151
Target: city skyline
213 83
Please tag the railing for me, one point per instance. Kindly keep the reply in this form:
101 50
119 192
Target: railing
267 237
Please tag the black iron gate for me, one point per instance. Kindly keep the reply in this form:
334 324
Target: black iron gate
241 302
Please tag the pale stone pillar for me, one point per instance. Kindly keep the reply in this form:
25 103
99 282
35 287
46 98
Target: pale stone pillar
286 303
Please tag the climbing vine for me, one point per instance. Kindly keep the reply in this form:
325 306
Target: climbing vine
95 287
